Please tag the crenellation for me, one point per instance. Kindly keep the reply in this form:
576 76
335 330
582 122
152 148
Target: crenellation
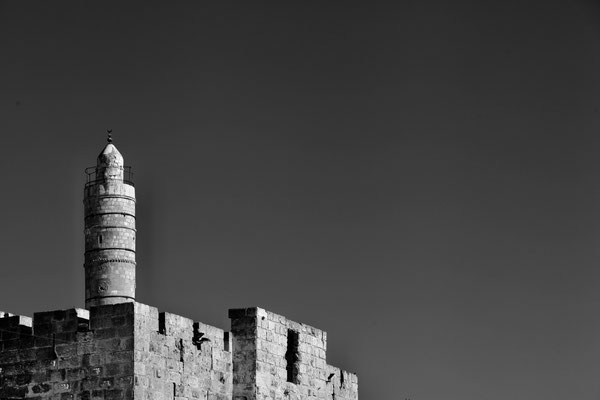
177 357
12 320
14 331
118 352
61 356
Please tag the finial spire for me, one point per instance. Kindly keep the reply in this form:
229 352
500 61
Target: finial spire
109 138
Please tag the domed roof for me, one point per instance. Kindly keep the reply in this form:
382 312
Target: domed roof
110 157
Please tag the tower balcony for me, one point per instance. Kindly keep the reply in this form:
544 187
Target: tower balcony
99 175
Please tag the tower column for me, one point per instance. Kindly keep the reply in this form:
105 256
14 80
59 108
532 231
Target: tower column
109 207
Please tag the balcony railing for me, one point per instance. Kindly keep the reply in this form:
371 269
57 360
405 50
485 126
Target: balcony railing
95 175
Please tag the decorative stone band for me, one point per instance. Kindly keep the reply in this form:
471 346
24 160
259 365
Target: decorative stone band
100 261
110 213
110 196
112 227
109 248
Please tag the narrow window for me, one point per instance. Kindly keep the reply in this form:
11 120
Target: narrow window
226 341
291 356
162 328
99 239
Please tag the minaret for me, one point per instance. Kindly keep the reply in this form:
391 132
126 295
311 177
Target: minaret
109 207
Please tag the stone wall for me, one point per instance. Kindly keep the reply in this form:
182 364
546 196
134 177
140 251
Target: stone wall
177 358
66 355
341 385
276 358
130 351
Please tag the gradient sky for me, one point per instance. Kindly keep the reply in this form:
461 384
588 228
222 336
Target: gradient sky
419 179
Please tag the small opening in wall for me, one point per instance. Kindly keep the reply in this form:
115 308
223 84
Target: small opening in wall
99 239
226 341
181 351
292 356
341 379
162 329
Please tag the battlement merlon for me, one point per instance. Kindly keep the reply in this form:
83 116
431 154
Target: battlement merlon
13 327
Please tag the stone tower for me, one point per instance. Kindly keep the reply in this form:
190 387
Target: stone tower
109 207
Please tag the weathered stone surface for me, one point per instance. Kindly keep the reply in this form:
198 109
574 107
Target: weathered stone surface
268 365
61 357
131 351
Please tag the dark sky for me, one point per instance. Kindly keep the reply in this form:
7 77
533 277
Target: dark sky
419 179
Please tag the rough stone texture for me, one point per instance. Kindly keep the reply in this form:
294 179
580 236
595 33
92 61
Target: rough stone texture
67 355
261 360
178 359
130 351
